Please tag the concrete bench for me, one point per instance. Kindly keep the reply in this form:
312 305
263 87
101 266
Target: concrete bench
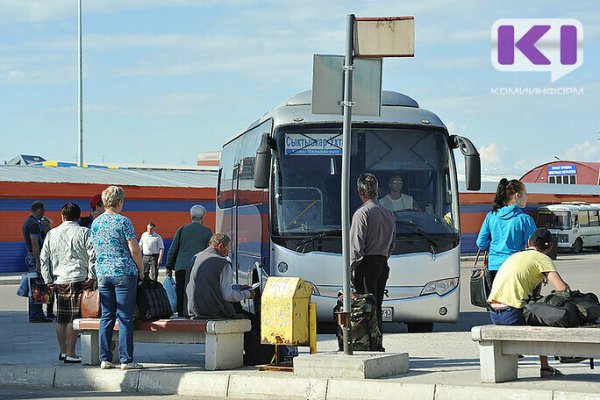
499 346
224 339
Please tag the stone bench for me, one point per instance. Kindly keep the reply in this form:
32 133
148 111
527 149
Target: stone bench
499 346
224 339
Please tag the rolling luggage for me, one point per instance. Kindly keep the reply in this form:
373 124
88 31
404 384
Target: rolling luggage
366 335
152 301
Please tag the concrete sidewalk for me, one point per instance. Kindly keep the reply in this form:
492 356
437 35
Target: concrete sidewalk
443 365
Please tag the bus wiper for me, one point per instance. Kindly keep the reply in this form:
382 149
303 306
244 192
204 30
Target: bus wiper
417 229
317 237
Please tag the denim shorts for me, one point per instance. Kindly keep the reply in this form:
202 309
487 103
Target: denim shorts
507 316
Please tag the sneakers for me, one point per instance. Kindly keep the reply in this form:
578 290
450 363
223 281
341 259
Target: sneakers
72 360
106 365
131 365
40 320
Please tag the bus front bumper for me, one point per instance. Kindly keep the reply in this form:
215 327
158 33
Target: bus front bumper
428 308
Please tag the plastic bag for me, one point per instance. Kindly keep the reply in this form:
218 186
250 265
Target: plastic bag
23 289
39 292
169 284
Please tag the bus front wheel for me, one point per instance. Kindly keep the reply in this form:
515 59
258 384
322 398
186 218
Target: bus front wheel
419 327
577 246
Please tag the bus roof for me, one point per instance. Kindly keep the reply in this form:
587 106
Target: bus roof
396 108
571 206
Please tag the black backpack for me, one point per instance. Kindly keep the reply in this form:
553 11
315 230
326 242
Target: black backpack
152 301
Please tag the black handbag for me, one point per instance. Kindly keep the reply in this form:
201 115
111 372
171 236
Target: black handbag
481 282
152 301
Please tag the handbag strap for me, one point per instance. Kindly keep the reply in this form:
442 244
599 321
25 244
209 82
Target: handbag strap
485 259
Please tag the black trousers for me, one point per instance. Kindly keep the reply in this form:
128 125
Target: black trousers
180 289
150 264
371 276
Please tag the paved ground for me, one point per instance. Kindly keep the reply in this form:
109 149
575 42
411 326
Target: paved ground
445 357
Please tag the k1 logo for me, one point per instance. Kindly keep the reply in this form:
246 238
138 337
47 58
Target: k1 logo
534 45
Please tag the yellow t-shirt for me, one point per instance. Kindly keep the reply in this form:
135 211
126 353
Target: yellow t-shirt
518 276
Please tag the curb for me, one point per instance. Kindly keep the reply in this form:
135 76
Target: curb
239 385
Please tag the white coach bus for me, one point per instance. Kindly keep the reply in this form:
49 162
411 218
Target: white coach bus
278 198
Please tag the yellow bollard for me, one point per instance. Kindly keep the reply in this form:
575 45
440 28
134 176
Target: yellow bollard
312 320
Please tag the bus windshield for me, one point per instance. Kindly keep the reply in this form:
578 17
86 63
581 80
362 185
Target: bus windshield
554 219
412 167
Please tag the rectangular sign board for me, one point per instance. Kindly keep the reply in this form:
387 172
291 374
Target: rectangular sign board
299 144
328 85
384 37
569 169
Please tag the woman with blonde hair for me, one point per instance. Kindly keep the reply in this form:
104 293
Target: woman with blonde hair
118 266
506 229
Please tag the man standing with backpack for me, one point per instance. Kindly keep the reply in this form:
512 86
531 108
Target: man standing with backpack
372 240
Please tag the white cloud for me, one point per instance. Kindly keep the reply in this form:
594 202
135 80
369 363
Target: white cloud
491 158
586 151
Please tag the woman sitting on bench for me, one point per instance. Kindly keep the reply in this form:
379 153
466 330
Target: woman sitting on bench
516 281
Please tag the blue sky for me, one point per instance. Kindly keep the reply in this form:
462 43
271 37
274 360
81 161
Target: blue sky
164 80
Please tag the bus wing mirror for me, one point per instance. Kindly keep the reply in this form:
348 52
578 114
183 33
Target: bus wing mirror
472 161
262 166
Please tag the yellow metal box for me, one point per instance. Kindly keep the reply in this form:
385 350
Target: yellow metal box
284 312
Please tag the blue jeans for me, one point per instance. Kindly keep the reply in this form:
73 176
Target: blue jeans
507 316
117 298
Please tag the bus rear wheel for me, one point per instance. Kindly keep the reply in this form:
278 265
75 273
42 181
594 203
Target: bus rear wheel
577 246
419 327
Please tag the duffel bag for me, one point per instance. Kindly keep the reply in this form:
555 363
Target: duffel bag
566 308
152 301
587 304
366 335
545 314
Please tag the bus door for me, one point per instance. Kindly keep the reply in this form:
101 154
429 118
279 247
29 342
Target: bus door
234 219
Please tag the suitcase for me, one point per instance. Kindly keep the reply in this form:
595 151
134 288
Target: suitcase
366 335
152 301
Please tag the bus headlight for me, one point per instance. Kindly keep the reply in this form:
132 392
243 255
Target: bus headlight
440 287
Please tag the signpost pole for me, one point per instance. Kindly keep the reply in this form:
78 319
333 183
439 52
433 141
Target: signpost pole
347 130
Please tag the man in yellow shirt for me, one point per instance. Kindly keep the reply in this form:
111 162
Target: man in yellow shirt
516 281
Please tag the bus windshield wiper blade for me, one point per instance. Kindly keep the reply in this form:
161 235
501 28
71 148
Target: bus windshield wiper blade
317 237
419 231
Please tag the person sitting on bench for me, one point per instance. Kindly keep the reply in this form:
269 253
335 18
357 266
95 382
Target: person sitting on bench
516 281
210 290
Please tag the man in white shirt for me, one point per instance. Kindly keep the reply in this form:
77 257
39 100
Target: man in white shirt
153 247
396 200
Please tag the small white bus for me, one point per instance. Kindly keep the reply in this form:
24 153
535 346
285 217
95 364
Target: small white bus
576 225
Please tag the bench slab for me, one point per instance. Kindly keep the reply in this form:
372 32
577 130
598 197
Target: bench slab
224 339
500 345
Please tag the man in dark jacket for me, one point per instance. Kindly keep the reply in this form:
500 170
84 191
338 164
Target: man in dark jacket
189 240
211 292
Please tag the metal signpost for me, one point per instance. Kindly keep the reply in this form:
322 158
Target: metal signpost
80 88
374 38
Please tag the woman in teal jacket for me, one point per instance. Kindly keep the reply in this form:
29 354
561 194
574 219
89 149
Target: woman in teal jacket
506 228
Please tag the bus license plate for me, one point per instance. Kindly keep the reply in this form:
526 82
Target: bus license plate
387 314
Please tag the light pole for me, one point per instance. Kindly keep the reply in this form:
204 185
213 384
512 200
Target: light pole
79 90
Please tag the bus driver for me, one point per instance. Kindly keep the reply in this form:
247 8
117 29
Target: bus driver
396 200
